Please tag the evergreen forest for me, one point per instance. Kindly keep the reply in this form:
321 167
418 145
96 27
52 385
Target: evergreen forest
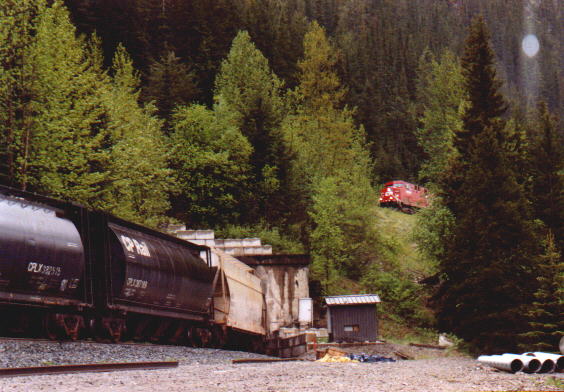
282 118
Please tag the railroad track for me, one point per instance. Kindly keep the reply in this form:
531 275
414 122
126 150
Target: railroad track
43 340
92 367
114 344
78 368
32 356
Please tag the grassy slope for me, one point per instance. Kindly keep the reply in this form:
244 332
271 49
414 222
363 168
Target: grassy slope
396 228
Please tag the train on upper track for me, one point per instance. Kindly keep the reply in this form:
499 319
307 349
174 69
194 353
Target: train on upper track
404 196
69 272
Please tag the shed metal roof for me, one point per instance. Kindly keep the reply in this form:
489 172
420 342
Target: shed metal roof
359 299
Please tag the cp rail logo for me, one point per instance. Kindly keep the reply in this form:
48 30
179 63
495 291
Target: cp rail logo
132 245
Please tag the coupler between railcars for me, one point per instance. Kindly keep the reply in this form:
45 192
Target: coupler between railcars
63 326
107 328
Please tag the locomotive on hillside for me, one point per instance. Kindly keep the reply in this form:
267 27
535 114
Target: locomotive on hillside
404 196
69 272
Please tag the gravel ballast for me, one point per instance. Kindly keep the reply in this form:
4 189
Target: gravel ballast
212 370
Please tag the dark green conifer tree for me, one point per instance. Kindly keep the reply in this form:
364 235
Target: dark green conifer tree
546 324
277 27
441 96
331 168
18 23
170 83
488 264
547 162
138 178
210 163
252 94
65 142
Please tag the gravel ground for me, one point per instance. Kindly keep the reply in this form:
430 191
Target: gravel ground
212 370
25 353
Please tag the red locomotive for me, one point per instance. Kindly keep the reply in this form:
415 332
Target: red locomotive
403 195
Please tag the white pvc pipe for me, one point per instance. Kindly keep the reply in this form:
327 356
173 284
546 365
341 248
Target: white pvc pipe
548 365
502 363
557 359
530 364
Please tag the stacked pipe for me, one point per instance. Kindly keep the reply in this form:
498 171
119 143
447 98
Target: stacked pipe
553 362
536 362
500 362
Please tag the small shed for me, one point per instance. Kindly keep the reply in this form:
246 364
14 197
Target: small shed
352 318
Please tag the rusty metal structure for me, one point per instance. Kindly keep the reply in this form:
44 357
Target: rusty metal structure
83 368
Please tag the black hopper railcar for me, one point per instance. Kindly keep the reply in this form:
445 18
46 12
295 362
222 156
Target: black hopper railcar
69 272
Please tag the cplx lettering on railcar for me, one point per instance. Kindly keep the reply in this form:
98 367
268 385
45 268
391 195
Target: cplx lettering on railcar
137 283
47 270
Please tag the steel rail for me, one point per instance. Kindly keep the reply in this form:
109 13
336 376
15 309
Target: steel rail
82 341
265 360
92 367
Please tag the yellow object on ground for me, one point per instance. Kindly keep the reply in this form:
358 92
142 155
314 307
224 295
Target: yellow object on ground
330 358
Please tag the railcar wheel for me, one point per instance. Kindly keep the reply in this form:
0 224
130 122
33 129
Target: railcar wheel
140 329
257 345
109 328
219 336
116 329
51 328
161 333
195 337
177 337
192 337
71 325
198 337
205 336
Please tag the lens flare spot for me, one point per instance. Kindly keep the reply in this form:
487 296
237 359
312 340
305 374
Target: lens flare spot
530 45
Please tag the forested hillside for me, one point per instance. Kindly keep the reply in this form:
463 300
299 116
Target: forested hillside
279 118
379 44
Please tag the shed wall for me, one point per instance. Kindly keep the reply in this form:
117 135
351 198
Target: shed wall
354 323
